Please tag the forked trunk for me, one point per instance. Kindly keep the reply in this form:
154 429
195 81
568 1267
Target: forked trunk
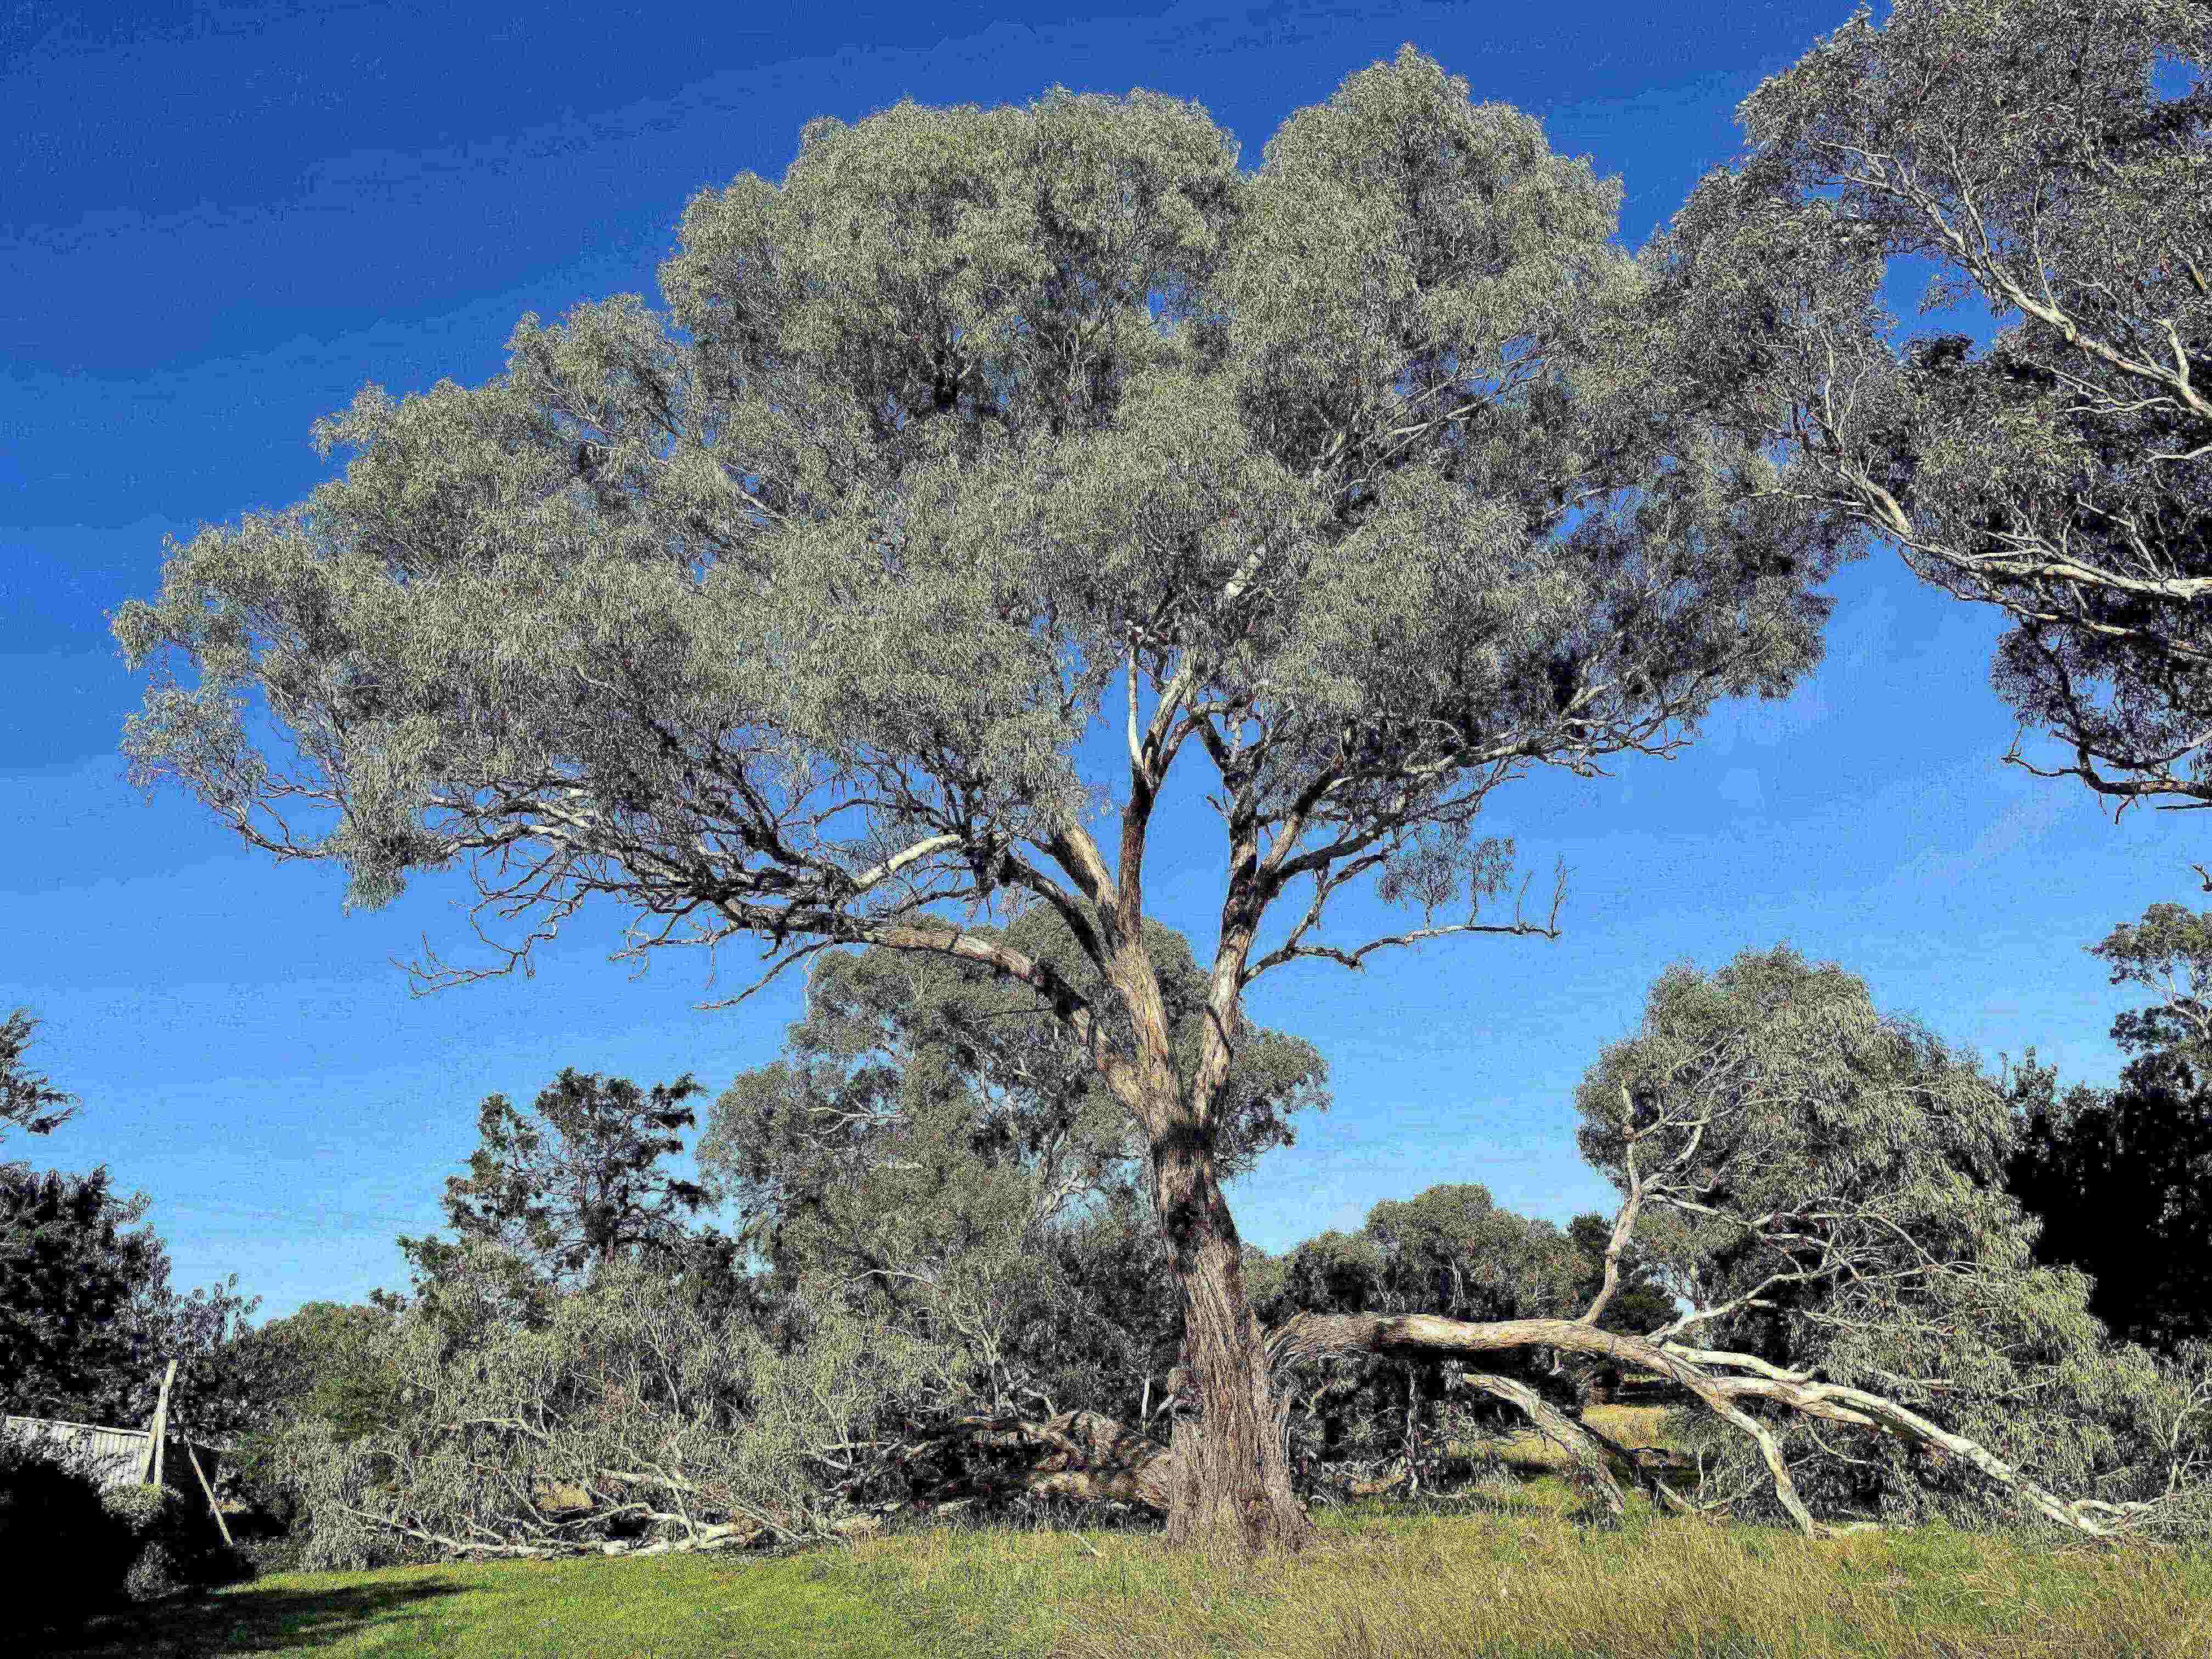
1231 1485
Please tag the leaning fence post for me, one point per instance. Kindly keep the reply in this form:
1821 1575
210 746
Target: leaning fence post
149 1473
214 1508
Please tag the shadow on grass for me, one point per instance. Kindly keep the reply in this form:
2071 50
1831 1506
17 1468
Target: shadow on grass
1527 1467
245 1618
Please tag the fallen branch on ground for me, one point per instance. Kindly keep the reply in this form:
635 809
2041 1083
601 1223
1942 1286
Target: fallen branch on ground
1086 1455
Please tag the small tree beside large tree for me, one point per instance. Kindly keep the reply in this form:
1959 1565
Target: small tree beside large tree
1823 1182
791 622
933 1140
569 1188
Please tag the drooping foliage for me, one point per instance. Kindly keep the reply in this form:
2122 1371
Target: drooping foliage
638 1407
2051 158
322 1363
1824 1184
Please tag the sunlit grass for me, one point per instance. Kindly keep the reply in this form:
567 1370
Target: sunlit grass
1517 1569
1521 1577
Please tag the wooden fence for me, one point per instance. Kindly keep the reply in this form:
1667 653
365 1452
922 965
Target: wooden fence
120 1454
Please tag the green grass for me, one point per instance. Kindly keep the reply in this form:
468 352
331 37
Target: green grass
673 1605
1513 1571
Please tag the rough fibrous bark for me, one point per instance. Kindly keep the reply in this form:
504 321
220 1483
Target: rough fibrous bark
1230 1475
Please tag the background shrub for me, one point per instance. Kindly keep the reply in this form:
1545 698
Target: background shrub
274 1552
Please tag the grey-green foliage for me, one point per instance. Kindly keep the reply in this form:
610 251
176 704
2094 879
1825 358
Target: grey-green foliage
322 1362
634 1387
933 1136
1823 1182
1403 485
2065 474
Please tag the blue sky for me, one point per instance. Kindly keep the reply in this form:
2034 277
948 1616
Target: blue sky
218 222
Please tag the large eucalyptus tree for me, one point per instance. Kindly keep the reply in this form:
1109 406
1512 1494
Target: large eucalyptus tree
787 615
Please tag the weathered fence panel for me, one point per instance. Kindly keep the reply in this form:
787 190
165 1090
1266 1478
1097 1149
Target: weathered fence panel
119 1453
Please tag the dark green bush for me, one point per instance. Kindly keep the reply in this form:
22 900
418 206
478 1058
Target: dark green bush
155 1572
56 1538
172 1543
257 1473
152 1518
141 1511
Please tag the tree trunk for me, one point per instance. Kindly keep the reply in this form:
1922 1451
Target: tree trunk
1231 1485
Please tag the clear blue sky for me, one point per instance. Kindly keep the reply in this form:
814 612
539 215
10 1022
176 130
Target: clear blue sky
217 223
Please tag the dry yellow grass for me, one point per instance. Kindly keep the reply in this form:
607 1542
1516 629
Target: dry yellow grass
1632 1425
1516 1570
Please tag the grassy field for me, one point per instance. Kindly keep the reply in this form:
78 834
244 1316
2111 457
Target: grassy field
1504 1571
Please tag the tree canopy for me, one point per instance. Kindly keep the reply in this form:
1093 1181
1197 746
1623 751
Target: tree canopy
77 1270
2065 474
818 561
